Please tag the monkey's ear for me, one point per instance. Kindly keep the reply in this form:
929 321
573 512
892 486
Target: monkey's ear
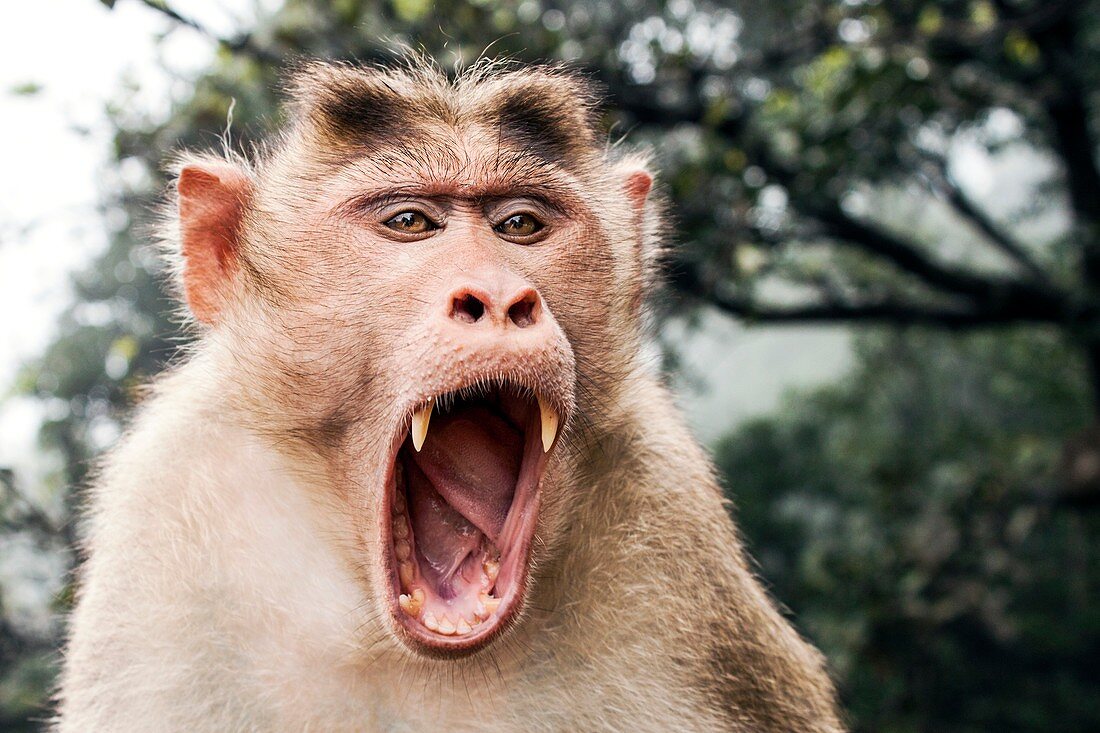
637 186
212 200
636 183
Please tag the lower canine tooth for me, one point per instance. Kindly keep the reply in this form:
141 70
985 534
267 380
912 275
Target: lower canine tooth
409 605
549 425
418 595
491 604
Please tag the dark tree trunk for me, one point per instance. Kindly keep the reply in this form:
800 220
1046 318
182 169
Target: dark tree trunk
1092 359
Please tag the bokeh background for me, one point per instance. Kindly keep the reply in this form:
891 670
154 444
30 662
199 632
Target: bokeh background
882 308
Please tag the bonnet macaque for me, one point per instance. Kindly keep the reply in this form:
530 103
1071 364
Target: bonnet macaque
415 474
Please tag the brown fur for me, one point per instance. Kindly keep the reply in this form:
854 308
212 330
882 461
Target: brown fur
231 582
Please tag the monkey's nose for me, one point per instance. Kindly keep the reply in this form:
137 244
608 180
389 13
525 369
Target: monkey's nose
519 306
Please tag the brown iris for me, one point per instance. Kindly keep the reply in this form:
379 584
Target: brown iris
411 222
519 225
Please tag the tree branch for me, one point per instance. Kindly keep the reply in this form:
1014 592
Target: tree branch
986 292
27 515
244 43
686 280
1068 111
891 311
943 184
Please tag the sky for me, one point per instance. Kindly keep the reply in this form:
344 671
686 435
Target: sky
54 146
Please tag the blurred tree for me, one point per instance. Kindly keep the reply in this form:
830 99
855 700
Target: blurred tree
27 649
781 126
905 516
781 116
803 143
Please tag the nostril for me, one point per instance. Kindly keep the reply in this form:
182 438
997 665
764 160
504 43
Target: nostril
467 308
524 312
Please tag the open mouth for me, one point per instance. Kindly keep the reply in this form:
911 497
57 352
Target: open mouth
463 507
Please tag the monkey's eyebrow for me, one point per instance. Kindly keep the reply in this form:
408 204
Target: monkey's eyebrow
375 201
551 198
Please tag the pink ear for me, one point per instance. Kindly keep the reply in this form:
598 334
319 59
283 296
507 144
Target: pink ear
637 188
212 198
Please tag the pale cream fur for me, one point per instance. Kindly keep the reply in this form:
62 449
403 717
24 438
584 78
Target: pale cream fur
215 600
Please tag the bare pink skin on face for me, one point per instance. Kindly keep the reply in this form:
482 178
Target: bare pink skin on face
464 501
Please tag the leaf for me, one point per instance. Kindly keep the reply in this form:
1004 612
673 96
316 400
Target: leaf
411 10
27 89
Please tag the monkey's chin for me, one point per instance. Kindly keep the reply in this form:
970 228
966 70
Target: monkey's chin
462 503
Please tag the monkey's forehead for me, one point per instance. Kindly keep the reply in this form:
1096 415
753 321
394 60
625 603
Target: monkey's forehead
469 163
545 112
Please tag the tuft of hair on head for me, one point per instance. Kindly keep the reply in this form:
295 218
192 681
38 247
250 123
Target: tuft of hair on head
551 109
356 105
545 109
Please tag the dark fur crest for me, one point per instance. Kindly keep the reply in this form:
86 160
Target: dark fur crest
546 110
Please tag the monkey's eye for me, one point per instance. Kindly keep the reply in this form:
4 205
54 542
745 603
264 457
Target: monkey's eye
411 222
519 225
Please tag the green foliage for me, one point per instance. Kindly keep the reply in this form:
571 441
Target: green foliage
26 89
906 516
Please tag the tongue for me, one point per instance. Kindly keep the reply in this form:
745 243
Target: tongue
472 460
444 539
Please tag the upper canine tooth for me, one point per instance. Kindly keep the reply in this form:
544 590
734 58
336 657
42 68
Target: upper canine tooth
420 424
549 425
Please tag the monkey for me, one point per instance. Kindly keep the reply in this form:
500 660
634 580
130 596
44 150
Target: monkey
416 472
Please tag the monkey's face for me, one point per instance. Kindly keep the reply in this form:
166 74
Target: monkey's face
485 379
442 319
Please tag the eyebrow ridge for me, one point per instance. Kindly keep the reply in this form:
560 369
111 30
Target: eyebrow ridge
553 199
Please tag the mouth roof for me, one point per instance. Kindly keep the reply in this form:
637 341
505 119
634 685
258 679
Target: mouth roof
463 510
